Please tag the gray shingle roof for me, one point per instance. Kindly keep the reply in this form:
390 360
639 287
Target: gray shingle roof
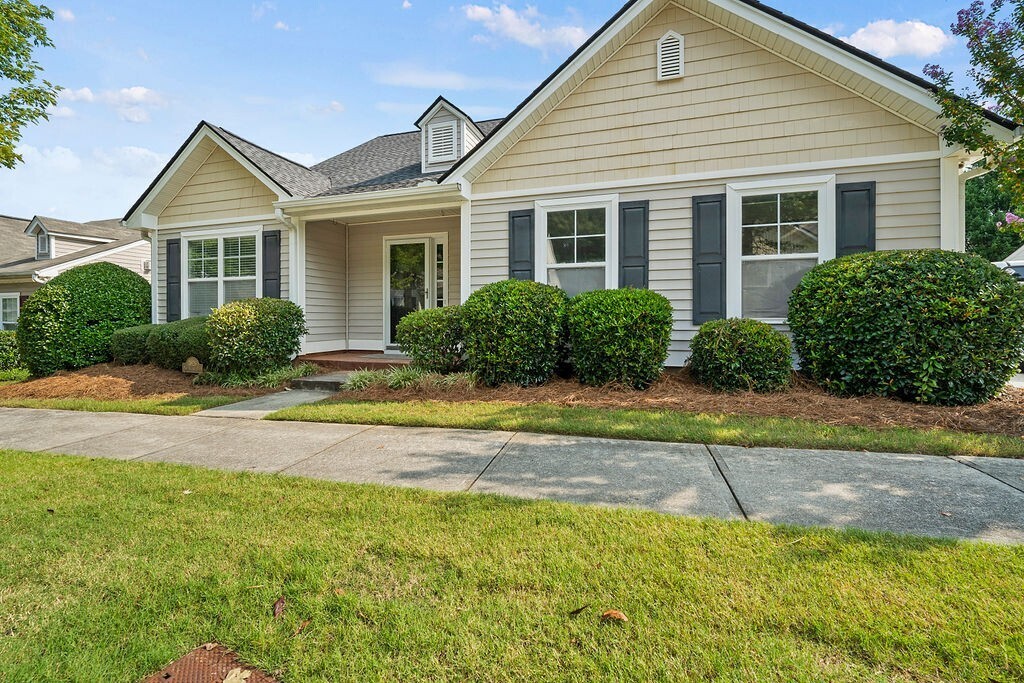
298 180
384 163
26 267
106 229
15 245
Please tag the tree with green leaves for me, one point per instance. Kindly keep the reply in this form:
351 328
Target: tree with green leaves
987 207
29 96
995 39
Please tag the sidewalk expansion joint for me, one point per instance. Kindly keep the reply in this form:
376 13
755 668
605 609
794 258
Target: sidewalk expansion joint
491 461
723 472
97 436
325 448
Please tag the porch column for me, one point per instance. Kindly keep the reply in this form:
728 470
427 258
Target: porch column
465 242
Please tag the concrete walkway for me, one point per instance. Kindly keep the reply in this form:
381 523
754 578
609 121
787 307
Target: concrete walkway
970 498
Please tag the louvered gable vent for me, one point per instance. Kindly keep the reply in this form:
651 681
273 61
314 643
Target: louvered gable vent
441 142
670 56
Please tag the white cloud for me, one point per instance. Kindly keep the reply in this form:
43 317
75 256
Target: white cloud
406 4
525 27
888 38
332 107
281 26
131 104
80 95
408 75
60 111
260 9
833 29
78 185
65 15
304 158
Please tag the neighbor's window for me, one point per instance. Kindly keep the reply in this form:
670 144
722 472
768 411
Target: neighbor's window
780 244
576 249
220 270
42 245
8 312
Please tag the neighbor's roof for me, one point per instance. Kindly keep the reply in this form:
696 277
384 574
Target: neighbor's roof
15 245
26 268
109 228
384 163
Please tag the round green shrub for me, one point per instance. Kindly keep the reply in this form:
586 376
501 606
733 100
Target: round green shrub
432 338
128 346
619 335
514 332
171 344
254 336
739 354
67 323
9 357
929 326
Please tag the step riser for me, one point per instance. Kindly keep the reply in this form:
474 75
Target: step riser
334 365
317 385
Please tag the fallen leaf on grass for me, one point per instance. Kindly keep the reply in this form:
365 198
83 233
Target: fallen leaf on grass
279 607
613 615
579 610
209 646
339 591
302 627
237 675
186 492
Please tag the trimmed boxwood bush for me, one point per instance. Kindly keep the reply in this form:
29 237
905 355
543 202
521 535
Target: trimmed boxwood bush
171 344
927 325
432 338
514 332
9 358
128 346
619 335
739 354
254 336
67 323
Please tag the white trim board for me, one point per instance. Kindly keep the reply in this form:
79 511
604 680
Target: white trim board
728 174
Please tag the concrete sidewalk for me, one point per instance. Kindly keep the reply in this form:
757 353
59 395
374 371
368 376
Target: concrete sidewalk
969 498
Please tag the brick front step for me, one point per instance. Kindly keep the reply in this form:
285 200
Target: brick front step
355 360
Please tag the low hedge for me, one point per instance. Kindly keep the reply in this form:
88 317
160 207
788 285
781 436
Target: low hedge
171 344
432 338
254 336
930 326
10 359
738 354
128 346
514 332
67 323
619 335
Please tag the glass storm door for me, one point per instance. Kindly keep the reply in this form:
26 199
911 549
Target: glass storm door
409 276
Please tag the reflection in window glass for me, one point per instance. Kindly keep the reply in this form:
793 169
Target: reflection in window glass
577 249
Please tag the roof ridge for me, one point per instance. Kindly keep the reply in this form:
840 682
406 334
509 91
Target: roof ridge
15 218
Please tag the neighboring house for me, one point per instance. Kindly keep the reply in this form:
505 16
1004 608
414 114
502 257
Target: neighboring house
712 150
35 250
1014 263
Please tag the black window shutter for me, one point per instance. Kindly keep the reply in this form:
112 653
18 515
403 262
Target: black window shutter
855 218
633 244
708 258
520 245
272 264
173 280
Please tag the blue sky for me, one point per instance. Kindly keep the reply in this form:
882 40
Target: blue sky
311 79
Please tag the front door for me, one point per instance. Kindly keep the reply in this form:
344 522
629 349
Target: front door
414 279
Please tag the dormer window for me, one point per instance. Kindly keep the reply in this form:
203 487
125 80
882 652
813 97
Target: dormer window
441 142
42 245
670 56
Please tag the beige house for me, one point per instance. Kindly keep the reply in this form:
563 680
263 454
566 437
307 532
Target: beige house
712 150
32 251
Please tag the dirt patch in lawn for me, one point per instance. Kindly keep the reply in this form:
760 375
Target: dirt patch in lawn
677 391
109 382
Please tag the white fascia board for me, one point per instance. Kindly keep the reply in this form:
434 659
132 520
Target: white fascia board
205 132
412 197
52 271
33 225
82 238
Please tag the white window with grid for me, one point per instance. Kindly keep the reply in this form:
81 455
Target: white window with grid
220 269
9 310
577 243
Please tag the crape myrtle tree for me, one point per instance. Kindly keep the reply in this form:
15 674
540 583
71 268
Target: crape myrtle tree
24 96
994 33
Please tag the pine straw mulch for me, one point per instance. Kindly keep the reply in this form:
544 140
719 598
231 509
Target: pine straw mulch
109 382
677 391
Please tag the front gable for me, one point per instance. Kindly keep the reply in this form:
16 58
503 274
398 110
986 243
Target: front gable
220 187
737 105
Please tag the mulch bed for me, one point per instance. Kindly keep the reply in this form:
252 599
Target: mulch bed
109 382
677 391
210 663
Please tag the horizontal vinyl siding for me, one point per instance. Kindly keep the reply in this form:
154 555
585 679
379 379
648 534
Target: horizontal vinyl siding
62 246
366 270
220 188
161 282
131 258
325 282
907 217
738 106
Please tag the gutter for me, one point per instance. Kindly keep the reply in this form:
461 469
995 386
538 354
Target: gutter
408 194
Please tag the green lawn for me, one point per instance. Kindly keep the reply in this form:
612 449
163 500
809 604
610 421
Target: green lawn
185 405
655 425
112 569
